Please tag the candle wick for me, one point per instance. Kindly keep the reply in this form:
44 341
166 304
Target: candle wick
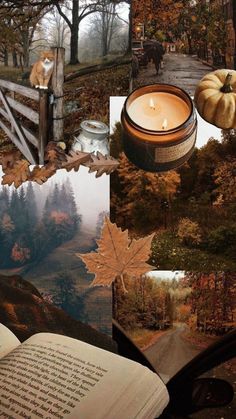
165 124
152 104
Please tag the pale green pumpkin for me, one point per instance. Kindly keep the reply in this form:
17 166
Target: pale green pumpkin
215 98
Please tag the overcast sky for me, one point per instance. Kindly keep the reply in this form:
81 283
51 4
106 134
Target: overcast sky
122 10
204 130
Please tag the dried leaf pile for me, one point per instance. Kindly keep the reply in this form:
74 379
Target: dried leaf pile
17 171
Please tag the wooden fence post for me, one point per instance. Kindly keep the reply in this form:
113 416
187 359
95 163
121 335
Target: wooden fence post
43 124
12 94
57 87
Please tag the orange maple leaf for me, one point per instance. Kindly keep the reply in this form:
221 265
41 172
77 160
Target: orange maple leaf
116 255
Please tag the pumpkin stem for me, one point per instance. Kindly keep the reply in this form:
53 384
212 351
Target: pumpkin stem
227 88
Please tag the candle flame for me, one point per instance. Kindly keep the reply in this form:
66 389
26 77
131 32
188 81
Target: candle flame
151 104
164 124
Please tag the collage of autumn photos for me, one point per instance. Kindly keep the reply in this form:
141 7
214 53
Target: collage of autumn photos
118 209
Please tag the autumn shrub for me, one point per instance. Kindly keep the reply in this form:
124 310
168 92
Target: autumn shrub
189 232
222 239
168 253
192 322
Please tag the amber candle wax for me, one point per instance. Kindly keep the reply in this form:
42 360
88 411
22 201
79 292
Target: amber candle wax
158 111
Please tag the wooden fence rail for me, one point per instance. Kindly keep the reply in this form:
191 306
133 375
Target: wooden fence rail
48 118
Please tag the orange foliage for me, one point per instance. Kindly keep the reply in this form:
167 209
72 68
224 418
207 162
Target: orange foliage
20 254
59 217
184 311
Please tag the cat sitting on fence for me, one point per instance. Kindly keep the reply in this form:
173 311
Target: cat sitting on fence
42 70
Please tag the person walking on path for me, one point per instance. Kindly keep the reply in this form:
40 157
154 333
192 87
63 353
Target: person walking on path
154 51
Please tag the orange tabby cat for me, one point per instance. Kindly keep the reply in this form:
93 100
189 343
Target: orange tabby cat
42 70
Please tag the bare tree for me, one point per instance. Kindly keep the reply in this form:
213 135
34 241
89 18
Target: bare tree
80 9
57 29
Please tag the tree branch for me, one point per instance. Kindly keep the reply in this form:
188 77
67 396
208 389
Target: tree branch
63 15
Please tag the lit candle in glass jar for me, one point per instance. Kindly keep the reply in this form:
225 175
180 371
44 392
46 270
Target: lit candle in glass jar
151 109
158 127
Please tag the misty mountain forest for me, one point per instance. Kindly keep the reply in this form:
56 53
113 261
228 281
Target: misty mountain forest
27 233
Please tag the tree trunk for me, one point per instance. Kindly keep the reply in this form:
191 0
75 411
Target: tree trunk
25 48
14 58
6 58
190 49
104 33
129 47
74 33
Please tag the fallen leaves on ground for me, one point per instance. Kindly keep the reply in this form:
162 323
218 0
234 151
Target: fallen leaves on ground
117 255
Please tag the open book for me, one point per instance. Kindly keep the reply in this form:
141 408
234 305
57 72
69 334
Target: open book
52 376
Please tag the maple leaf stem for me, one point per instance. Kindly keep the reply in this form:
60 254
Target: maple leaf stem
123 284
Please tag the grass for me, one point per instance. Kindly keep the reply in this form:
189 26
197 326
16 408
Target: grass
14 74
200 340
144 338
102 60
169 253
10 73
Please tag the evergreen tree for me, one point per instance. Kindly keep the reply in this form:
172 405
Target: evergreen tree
7 229
14 207
4 200
67 297
55 199
47 207
72 207
31 205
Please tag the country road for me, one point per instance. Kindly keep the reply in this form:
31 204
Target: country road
182 70
171 352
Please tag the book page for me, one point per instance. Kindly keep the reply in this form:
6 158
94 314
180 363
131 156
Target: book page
52 376
8 341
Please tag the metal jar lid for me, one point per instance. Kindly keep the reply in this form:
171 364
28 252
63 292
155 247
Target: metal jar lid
96 128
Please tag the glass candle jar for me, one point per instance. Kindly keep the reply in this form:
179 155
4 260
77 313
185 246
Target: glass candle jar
159 127
93 138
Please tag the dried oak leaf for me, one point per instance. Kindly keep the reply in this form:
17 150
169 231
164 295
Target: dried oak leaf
41 174
8 158
74 159
17 174
102 164
54 152
116 255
